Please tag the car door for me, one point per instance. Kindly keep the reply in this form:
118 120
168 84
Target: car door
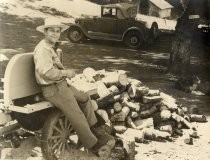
106 25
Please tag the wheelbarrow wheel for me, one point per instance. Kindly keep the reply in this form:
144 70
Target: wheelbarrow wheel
58 136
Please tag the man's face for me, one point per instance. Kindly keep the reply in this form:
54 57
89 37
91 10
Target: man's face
52 34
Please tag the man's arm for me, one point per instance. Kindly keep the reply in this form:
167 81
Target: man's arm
44 66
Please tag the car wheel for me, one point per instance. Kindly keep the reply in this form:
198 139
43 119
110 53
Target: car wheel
58 136
133 39
75 34
154 31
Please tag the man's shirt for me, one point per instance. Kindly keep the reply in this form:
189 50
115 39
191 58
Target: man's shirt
47 64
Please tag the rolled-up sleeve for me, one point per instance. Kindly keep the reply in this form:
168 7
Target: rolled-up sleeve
44 64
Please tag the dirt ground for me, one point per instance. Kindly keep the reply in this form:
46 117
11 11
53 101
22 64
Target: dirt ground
17 35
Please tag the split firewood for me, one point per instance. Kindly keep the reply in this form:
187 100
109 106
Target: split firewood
197 118
169 101
131 91
120 129
144 123
131 105
148 112
153 92
154 134
114 90
114 78
165 114
132 134
178 118
117 107
104 115
141 91
120 117
124 97
91 75
166 128
147 99
102 90
108 100
146 106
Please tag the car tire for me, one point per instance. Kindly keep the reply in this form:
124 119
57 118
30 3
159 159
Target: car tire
133 39
154 31
75 34
56 133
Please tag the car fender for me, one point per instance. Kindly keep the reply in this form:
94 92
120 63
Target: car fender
82 29
134 29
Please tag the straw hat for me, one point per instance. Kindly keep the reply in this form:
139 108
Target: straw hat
52 22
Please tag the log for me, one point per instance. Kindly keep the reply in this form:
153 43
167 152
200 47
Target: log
141 91
197 118
102 90
4 118
114 78
169 101
147 99
178 118
147 113
165 114
144 123
9 128
114 90
107 101
153 92
166 128
132 105
117 107
132 135
104 115
120 129
120 117
153 134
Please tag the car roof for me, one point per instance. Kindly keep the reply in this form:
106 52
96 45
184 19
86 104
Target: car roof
120 5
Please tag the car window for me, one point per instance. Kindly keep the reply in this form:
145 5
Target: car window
109 12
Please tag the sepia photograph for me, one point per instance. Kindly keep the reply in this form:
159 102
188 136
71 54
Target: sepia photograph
104 79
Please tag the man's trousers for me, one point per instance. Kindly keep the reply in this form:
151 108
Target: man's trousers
81 116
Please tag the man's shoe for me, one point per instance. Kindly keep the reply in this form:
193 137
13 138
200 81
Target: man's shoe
104 145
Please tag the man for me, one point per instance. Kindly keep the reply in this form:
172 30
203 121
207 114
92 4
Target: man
51 76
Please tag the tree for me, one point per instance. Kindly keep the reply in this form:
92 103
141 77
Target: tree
179 62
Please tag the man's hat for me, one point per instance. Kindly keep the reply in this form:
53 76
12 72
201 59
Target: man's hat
52 22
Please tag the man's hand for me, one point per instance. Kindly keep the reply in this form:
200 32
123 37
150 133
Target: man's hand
69 73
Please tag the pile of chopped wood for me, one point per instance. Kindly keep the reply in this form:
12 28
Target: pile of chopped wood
135 111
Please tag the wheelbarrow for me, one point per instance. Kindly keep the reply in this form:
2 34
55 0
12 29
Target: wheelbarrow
23 101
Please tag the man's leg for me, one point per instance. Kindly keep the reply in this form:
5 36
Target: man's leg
64 99
85 104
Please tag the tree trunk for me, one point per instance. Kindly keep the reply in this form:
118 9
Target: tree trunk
179 62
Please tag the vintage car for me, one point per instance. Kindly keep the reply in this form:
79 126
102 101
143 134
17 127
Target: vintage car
117 23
